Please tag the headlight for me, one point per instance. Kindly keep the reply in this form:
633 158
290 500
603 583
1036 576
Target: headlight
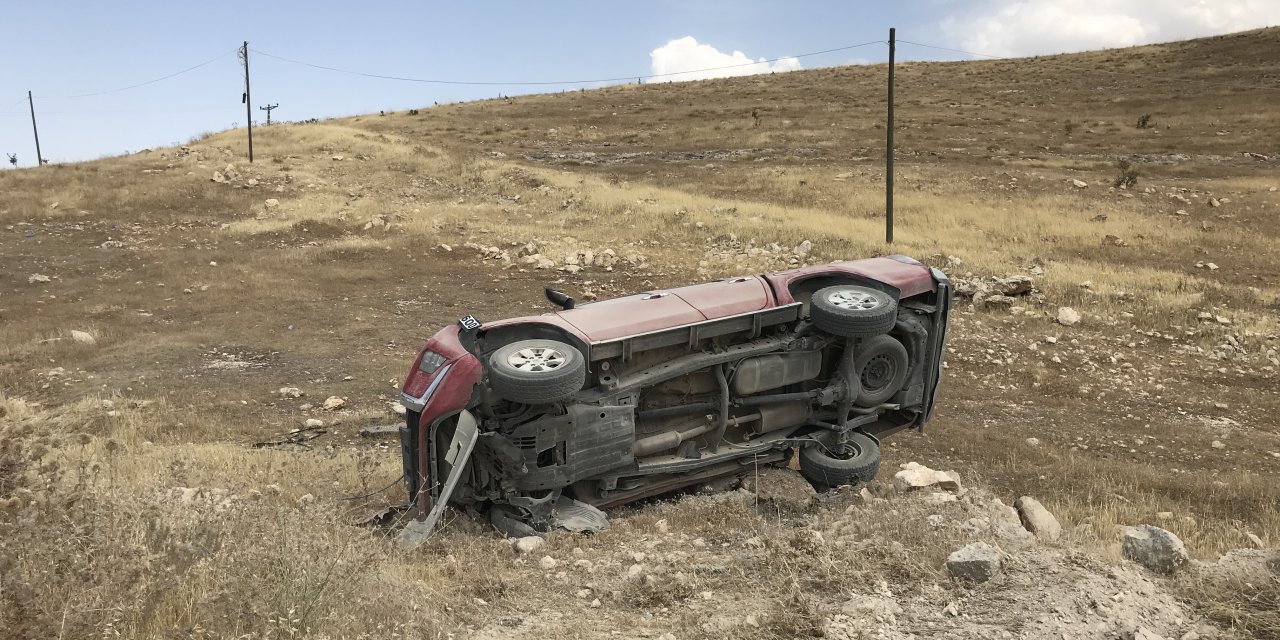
430 362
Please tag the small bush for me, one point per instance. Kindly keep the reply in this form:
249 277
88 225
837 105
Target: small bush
1144 121
1128 174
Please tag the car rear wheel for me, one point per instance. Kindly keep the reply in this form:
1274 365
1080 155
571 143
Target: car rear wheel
854 461
537 371
851 311
882 364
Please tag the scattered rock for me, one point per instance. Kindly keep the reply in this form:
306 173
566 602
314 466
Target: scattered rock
1037 519
290 392
1218 444
528 544
83 337
37 277
547 562
271 203
1154 548
1033 442
977 561
1068 316
313 423
306 499
1113 241
333 403
803 248
916 476
1079 184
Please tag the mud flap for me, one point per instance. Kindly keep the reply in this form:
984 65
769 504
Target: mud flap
571 515
457 455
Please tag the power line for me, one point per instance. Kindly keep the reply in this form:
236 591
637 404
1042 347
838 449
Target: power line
968 53
561 82
143 84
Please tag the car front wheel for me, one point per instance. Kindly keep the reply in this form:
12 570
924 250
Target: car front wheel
537 371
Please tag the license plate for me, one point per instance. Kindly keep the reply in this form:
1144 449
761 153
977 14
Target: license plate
469 323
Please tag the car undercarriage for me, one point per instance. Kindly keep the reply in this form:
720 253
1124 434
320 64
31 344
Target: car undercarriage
556 427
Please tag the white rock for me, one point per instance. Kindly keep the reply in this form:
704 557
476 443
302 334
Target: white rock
547 562
83 337
528 544
1037 519
1033 442
803 248
333 402
313 423
1079 184
1218 444
290 392
1154 548
271 203
977 561
37 277
916 476
1068 316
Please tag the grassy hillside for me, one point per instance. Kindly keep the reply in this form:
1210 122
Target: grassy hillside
198 285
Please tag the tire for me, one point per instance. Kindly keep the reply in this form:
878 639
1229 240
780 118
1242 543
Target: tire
882 364
855 461
850 311
537 371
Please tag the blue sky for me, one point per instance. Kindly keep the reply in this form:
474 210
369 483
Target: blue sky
59 49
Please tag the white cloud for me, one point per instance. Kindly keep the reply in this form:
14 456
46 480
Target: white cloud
694 61
1027 27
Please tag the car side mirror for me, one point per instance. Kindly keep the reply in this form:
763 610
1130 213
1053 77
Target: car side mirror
558 298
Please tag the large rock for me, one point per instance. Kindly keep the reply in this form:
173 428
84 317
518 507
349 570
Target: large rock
1013 285
1037 519
1068 316
1155 549
83 337
916 476
977 561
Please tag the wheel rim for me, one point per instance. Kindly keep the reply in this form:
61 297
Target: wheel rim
537 359
853 300
878 373
845 451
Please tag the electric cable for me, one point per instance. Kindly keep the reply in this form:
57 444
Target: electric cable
143 84
561 82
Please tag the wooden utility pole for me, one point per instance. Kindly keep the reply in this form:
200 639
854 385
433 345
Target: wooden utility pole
268 109
246 98
34 131
888 151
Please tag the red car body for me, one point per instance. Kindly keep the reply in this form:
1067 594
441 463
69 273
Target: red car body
448 378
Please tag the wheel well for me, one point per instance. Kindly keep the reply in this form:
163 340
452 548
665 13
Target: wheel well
495 339
803 290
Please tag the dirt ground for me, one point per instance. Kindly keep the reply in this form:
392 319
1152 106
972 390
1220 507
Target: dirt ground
152 306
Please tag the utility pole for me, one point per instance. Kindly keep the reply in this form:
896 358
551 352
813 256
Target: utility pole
888 150
248 106
34 131
268 109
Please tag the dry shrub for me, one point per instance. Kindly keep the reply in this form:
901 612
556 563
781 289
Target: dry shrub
83 557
